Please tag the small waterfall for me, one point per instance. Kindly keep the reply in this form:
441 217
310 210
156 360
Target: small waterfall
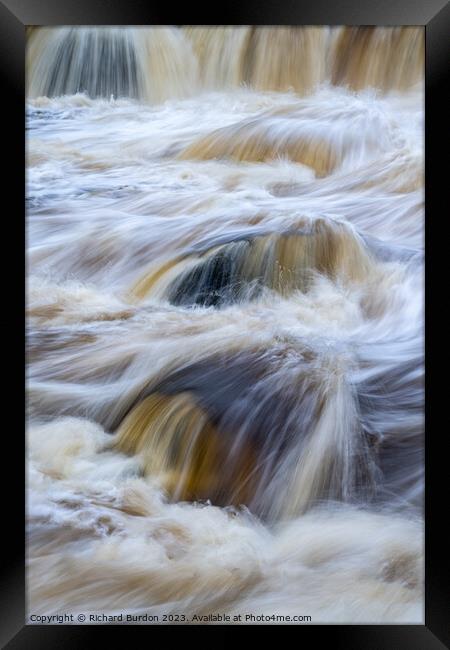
389 59
158 63
90 60
238 271
146 63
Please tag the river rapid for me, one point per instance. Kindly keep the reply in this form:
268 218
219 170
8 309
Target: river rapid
225 236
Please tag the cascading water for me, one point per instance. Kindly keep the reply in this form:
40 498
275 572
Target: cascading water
225 327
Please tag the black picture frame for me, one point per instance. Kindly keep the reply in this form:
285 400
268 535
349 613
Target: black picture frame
15 15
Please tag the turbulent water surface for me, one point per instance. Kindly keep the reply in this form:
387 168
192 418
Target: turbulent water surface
224 309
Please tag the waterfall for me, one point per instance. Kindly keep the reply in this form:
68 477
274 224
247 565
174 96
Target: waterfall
158 63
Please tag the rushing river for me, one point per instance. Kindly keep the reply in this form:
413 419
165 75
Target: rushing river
225 322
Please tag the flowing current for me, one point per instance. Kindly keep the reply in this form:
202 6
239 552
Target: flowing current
225 323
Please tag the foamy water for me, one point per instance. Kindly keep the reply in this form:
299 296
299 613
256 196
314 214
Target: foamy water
225 323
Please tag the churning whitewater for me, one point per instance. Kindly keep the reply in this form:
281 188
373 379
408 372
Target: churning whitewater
225 324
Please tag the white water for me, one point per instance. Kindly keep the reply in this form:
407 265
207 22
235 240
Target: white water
302 392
